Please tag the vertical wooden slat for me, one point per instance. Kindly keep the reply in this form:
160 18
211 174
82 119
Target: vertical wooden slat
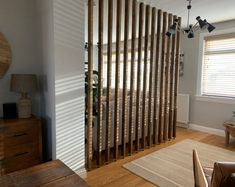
161 97
150 104
176 79
117 79
138 90
132 80
125 61
166 89
90 84
146 49
109 75
100 89
158 44
171 106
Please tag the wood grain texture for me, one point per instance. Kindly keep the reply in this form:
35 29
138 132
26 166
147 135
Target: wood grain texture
114 175
162 80
139 76
132 78
125 61
109 81
146 47
166 88
20 144
157 64
90 85
5 55
151 102
50 174
100 85
117 80
176 78
171 104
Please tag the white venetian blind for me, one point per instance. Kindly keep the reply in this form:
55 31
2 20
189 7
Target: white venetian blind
218 77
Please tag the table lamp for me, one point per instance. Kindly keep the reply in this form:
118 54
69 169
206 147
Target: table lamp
24 84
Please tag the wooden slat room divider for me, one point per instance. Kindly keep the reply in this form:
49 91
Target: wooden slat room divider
139 64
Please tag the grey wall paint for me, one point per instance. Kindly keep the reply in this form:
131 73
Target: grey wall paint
208 114
46 38
18 22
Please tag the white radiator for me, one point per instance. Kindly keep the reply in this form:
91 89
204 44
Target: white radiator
183 109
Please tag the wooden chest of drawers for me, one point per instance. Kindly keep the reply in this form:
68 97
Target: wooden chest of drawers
20 144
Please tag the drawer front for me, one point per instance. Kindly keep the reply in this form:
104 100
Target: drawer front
23 137
14 130
18 163
21 150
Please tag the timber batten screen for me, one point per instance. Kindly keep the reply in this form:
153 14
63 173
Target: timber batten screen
137 80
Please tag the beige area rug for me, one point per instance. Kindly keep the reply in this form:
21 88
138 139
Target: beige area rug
172 166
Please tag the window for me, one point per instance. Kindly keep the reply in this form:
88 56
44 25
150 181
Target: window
218 70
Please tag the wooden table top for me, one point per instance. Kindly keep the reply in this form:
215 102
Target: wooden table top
50 174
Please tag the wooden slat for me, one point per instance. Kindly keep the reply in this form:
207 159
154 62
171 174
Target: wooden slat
125 61
161 97
176 78
109 75
147 16
150 104
157 60
171 106
166 89
90 84
117 80
141 19
100 87
132 79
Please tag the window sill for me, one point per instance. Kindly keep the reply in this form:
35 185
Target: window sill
214 99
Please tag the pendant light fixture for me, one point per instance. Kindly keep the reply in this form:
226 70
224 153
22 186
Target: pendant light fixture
203 25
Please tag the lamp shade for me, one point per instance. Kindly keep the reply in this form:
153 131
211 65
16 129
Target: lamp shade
210 27
203 25
23 83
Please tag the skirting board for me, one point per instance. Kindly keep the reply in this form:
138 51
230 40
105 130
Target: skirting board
82 173
209 130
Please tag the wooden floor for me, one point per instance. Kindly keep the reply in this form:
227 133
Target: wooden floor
114 175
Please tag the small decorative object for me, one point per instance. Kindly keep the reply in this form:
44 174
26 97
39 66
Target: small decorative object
24 84
5 55
9 111
234 114
181 69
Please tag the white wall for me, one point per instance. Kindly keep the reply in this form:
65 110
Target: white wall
210 114
18 22
69 17
62 31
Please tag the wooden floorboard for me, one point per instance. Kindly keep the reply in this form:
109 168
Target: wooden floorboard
114 175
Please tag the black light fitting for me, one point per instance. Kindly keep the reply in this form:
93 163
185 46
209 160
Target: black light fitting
203 24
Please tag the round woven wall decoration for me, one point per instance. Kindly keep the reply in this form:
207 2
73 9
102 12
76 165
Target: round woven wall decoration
5 55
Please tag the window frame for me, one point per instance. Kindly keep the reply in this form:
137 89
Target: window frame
199 96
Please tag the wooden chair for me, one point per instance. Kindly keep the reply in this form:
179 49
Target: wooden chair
222 175
199 174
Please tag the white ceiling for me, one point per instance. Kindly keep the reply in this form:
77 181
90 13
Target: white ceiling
212 10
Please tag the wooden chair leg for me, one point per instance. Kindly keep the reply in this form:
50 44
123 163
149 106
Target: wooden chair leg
227 137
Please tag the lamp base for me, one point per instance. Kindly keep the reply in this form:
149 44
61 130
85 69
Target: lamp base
24 107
